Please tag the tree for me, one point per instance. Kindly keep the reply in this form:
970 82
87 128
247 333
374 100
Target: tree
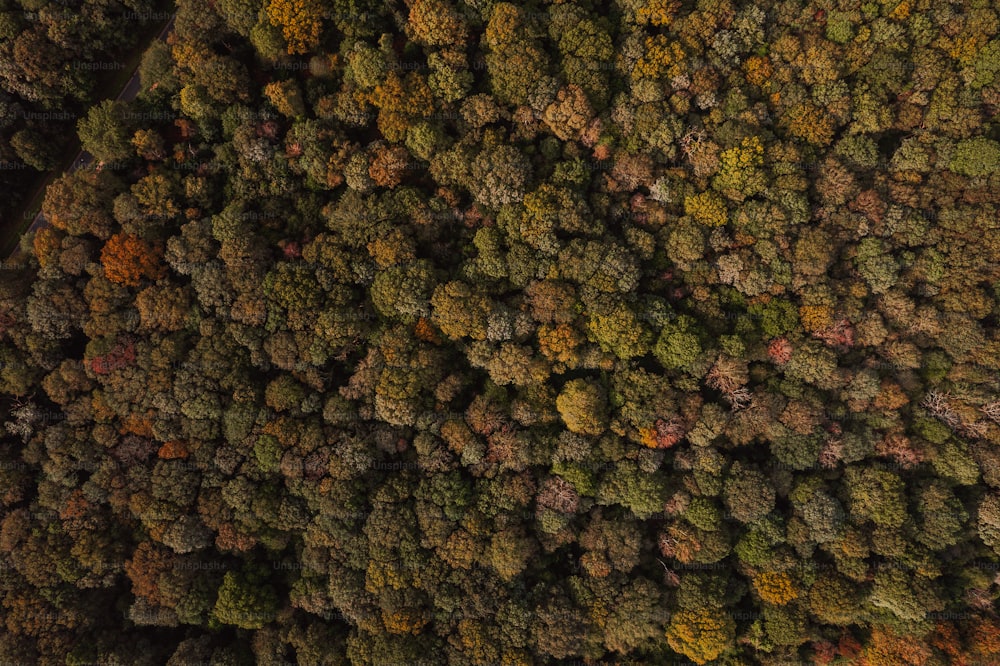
157 73
128 259
401 101
39 70
618 330
701 635
510 552
551 301
282 394
877 266
286 97
67 382
516 64
906 596
436 23
610 545
604 266
268 40
661 57
240 15
389 166
581 405
631 615
810 123
569 113
301 22
149 144
157 195
404 291
106 132
163 308
886 646
549 210
748 494
943 516
449 78
833 600
707 208
460 311
587 51
775 587
876 495
677 346
823 515
37 151
989 521
500 176
55 309
244 602
560 628
978 156
642 493
739 175
80 202
685 243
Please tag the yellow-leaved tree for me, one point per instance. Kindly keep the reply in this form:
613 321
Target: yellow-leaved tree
301 22
701 635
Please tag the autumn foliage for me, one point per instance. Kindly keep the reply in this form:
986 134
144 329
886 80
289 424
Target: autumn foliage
300 22
483 332
128 259
120 356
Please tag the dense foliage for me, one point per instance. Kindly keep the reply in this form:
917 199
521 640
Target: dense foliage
54 55
466 332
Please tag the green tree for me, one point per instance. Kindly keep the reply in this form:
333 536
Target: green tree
641 492
35 149
978 156
906 596
616 327
834 600
740 175
516 63
460 311
748 494
677 345
404 291
876 495
106 132
583 405
245 600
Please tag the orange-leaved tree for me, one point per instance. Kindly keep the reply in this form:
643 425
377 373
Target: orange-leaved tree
127 259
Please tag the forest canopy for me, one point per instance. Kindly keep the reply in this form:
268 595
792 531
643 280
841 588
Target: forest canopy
471 332
57 59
